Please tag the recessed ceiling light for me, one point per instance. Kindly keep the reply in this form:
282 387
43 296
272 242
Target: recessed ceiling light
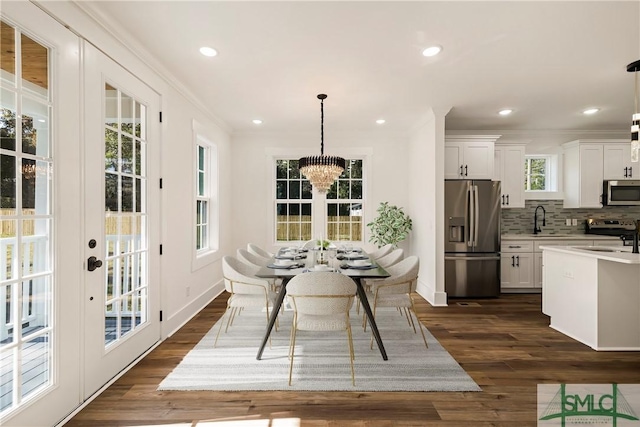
208 51
257 121
591 111
432 51
505 112
380 121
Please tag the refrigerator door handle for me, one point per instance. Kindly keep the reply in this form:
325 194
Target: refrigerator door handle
476 215
471 215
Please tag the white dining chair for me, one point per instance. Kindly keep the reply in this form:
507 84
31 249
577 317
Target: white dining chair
247 257
391 258
321 302
396 291
247 291
380 252
257 250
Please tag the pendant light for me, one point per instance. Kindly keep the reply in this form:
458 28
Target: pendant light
634 67
322 171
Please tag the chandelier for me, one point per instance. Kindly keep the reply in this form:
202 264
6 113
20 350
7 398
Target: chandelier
635 119
322 170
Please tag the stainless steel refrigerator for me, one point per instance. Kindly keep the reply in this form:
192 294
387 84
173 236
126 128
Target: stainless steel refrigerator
472 238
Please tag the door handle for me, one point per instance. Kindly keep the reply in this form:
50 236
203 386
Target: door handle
507 199
630 173
518 260
513 261
503 199
625 172
466 170
460 170
93 263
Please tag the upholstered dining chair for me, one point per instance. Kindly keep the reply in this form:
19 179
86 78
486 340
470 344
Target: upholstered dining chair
247 257
391 258
321 302
257 261
247 291
257 250
395 291
380 252
385 261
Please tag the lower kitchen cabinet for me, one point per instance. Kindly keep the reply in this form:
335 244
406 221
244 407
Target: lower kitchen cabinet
516 265
516 270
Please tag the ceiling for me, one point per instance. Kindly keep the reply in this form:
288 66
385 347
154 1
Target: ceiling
545 60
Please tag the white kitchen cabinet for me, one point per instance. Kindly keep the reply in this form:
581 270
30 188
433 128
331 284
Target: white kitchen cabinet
516 265
509 169
617 163
469 157
583 174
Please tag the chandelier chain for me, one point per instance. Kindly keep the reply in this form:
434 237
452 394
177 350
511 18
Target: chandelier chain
322 125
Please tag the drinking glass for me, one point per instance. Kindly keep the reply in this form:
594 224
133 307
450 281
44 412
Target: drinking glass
332 256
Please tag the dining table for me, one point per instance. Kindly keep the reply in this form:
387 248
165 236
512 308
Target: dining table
304 262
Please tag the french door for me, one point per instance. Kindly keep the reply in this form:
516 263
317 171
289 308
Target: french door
121 217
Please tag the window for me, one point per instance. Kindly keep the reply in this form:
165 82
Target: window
345 204
293 203
537 173
206 228
202 200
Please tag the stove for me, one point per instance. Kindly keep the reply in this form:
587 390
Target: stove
623 228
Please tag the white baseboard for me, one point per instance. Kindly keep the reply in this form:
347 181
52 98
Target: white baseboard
179 319
433 297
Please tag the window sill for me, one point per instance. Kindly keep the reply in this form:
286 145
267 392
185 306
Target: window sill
543 195
202 260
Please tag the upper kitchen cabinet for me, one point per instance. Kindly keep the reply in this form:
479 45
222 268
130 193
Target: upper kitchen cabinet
617 161
583 173
469 156
509 169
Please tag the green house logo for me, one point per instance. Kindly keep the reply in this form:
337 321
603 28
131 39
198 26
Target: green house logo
589 407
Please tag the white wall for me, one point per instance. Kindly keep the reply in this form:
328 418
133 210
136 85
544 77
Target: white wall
426 171
253 188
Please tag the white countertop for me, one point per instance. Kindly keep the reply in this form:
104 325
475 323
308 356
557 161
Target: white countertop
622 254
543 236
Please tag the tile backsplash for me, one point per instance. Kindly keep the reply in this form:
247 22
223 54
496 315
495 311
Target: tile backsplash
515 221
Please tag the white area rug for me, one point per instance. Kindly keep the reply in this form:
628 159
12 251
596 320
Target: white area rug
321 361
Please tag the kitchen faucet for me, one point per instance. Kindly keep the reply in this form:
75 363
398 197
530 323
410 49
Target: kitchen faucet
536 229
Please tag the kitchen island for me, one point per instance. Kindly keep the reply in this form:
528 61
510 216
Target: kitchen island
592 294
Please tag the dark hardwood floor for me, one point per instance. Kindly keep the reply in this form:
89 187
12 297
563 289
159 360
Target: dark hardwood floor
505 344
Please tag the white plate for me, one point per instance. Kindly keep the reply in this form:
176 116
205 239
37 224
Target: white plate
362 263
321 268
284 262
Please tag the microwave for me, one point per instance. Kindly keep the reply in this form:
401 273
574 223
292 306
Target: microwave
621 193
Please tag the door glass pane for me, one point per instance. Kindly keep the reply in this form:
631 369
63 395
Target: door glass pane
7 120
8 201
35 64
125 214
8 63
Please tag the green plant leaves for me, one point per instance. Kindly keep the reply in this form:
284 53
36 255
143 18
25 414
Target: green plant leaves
391 225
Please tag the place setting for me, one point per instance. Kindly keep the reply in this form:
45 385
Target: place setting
285 263
359 264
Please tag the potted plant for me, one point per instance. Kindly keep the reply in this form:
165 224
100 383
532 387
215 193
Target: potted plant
391 225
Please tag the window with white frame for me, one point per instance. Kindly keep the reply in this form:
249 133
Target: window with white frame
206 189
293 202
345 204
537 173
